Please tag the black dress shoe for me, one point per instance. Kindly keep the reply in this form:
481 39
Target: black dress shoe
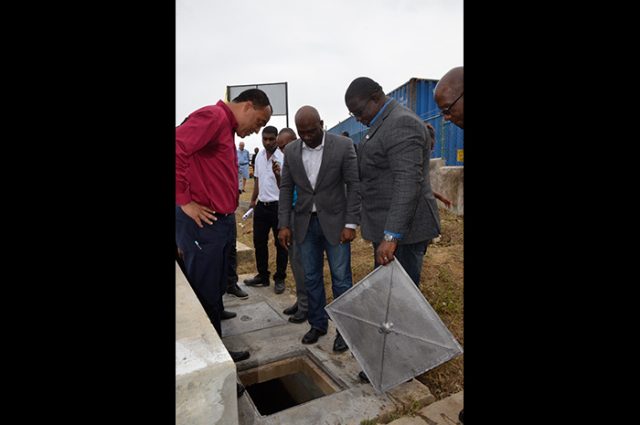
239 356
312 336
227 315
258 280
339 345
234 289
239 389
363 377
298 318
291 310
279 286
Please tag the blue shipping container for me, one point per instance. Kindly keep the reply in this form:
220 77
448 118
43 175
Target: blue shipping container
417 95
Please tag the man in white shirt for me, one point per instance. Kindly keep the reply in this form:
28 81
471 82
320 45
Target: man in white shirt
264 201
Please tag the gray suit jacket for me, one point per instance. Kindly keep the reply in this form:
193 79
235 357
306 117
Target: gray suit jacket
337 191
393 158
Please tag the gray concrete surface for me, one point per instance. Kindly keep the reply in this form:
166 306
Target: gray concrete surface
354 401
251 317
409 420
205 373
442 412
244 253
445 411
448 181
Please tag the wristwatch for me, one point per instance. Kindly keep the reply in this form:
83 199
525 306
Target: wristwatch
390 238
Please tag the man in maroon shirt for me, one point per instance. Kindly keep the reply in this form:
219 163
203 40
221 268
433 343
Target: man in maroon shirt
207 193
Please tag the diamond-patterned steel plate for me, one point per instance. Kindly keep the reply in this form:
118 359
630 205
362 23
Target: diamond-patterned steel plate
391 329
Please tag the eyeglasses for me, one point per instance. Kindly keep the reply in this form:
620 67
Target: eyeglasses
361 110
447 110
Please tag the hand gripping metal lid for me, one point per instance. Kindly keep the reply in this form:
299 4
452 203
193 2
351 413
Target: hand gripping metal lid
391 329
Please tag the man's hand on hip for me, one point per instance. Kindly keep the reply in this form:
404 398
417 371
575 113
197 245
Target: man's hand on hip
199 213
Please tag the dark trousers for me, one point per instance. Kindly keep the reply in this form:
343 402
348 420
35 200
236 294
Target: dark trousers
298 271
206 257
232 273
410 257
265 218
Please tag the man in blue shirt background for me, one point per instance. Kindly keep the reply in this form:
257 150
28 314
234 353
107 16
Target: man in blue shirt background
243 167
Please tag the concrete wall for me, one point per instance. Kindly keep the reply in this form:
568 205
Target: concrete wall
448 181
205 372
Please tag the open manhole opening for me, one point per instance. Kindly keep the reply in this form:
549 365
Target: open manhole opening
286 383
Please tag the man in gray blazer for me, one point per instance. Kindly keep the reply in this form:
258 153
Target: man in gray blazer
324 170
399 211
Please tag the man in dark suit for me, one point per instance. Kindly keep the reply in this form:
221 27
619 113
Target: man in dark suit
324 170
298 311
399 211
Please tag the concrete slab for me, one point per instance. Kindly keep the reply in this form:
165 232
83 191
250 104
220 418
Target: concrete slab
354 402
409 420
251 317
448 181
205 372
445 411
244 253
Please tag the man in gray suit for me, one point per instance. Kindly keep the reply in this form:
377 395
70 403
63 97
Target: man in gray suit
399 211
324 170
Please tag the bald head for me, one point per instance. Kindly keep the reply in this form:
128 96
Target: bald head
452 80
309 126
448 95
285 137
307 113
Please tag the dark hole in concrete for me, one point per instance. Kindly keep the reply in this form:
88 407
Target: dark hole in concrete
286 383
273 396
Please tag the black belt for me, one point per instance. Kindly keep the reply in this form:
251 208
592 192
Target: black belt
220 215
315 213
266 204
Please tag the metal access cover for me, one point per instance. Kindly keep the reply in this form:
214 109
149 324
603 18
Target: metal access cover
391 329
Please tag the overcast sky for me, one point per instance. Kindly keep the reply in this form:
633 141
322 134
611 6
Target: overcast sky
317 47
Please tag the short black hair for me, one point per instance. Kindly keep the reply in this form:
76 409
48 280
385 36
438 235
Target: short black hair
270 129
288 130
256 96
362 88
345 133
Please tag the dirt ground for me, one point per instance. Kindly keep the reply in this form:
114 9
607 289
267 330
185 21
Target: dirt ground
441 283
